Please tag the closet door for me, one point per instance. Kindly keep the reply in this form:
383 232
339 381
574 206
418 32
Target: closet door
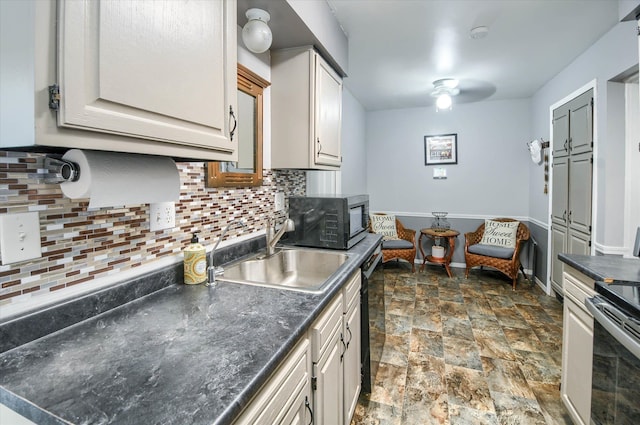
561 132
581 124
558 245
572 181
560 197
580 178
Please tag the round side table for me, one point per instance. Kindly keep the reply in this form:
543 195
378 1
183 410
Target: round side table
450 235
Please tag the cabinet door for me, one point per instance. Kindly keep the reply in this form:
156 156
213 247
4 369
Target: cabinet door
300 413
580 172
561 132
329 394
279 399
578 243
560 191
352 375
163 71
577 353
558 245
581 123
328 114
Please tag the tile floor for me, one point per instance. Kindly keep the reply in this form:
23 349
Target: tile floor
461 351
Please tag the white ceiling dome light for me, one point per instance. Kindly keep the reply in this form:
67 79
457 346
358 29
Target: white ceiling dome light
256 34
443 91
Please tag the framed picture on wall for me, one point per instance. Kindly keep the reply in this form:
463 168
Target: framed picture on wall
441 149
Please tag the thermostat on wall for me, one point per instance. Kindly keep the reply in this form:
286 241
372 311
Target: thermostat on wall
440 173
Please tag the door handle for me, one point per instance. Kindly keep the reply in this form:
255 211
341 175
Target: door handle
344 347
319 146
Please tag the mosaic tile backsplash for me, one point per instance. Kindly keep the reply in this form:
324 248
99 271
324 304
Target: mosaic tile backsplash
80 245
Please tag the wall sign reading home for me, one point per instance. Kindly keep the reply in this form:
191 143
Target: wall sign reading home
441 149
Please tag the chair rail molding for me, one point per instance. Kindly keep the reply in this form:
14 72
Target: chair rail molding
611 250
461 216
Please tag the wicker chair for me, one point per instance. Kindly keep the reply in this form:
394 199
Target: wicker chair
508 266
391 251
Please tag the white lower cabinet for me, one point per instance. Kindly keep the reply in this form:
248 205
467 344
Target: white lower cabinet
285 397
328 348
335 340
577 346
352 367
320 380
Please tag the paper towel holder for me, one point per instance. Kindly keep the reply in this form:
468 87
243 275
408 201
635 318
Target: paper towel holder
60 170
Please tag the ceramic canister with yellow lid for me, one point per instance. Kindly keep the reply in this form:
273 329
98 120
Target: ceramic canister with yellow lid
195 262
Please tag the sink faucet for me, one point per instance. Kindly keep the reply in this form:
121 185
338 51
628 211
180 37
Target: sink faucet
273 237
212 270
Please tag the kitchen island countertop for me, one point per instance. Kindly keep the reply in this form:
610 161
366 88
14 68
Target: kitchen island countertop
181 355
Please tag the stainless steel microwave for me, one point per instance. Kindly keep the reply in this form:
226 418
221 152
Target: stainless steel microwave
334 222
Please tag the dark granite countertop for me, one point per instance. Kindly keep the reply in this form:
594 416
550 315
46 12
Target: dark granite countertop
607 268
180 355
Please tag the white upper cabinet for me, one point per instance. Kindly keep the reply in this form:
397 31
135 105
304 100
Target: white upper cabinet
306 111
138 76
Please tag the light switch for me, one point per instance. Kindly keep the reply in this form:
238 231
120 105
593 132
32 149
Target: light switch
279 201
19 237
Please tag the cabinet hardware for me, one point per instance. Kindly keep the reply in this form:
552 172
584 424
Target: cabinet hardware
350 335
308 406
319 146
235 122
314 383
570 216
566 142
344 347
54 97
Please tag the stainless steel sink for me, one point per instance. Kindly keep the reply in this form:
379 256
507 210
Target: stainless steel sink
295 269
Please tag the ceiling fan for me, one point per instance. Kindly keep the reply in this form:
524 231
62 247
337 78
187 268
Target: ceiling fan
464 91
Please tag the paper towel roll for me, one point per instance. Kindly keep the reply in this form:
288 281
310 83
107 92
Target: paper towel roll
112 179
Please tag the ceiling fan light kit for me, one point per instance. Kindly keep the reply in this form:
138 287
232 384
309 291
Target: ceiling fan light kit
479 32
444 90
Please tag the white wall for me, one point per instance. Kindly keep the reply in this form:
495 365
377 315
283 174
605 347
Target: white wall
614 53
354 151
490 179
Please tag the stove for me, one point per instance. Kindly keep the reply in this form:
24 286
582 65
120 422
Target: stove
625 295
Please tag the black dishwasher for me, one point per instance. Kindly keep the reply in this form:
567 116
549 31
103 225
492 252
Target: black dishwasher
371 318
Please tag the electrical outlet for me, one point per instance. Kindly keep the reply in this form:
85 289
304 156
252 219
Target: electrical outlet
162 216
20 237
279 201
